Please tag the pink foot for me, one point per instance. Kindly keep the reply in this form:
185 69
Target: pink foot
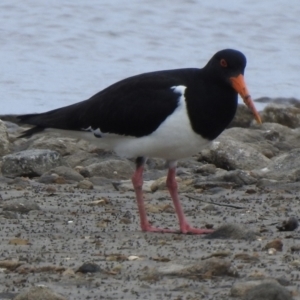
150 228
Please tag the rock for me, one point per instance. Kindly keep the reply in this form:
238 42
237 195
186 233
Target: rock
81 158
275 244
268 291
30 162
126 185
241 288
290 225
282 114
20 206
4 141
238 177
232 231
285 167
206 169
39 293
160 184
18 241
229 154
85 184
203 270
281 100
89 267
10 264
66 172
62 145
83 171
242 118
112 169
254 138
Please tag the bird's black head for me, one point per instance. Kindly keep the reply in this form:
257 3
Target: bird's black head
226 63
227 67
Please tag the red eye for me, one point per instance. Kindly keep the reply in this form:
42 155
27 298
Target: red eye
223 63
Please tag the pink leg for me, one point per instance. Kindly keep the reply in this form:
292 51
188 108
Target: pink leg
185 227
137 181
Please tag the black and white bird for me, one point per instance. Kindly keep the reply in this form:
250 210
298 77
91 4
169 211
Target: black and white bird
168 114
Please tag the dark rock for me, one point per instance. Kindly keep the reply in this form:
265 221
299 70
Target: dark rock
290 225
89 267
30 162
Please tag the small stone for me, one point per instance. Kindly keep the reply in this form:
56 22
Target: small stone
276 244
30 162
89 267
23 207
268 291
38 293
18 241
10 264
85 184
290 225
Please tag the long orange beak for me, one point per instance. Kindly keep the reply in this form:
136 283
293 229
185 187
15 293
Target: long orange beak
239 85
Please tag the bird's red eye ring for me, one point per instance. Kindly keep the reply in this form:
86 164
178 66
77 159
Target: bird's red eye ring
223 63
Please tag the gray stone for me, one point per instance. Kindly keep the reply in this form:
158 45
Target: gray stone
215 266
232 231
22 206
85 184
242 118
62 145
112 169
39 293
81 158
282 114
238 177
240 288
268 291
30 162
4 141
285 167
229 154
66 172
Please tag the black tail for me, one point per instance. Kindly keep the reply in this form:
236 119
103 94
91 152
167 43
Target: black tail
68 118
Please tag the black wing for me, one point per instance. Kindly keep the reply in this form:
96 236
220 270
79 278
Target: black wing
135 106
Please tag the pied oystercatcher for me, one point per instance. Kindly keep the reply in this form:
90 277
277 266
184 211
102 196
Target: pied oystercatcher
168 114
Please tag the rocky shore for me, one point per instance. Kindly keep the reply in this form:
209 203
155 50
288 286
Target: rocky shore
70 228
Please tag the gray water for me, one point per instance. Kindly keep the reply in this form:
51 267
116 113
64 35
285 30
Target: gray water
55 53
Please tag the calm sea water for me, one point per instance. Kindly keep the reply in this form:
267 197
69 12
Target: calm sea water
60 52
